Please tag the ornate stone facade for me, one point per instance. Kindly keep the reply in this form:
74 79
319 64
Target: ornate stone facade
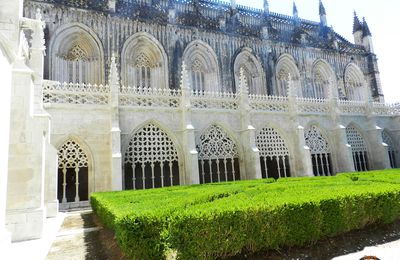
148 94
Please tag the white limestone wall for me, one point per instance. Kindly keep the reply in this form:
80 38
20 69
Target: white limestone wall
90 127
5 102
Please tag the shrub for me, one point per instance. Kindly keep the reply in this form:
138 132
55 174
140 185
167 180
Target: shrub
220 220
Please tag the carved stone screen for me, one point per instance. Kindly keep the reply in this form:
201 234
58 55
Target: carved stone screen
359 149
151 160
72 173
274 154
218 156
320 151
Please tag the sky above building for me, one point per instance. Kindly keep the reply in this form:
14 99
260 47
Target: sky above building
382 17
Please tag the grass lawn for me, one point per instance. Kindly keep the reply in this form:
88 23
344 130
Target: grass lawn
226 219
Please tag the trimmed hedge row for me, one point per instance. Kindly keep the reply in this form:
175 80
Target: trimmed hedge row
220 220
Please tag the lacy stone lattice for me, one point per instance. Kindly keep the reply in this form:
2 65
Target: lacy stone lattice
215 144
388 140
271 144
355 139
149 145
71 155
316 141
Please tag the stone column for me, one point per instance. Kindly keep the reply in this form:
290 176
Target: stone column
251 153
344 154
378 151
191 159
302 156
115 134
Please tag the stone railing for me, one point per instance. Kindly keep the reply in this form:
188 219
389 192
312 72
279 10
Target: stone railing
312 105
214 100
149 97
87 94
269 103
77 94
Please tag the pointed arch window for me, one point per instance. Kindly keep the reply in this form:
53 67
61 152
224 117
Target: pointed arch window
282 83
218 156
319 86
354 83
72 173
358 148
198 78
320 151
151 160
274 154
142 71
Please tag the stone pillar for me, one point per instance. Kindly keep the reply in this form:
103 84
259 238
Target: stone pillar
189 142
115 134
344 154
302 156
25 195
5 103
251 153
379 157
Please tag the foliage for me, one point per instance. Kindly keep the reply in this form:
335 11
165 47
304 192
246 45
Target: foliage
225 219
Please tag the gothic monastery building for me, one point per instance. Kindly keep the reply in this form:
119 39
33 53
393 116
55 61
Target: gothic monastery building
101 95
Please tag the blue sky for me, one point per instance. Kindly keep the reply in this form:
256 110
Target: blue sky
383 19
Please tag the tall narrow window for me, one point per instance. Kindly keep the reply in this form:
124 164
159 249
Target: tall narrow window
198 78
354 83
142 68
274 154
218 157
282 83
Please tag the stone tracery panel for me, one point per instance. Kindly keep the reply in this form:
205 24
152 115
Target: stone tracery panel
354 83
286 70
359 149
253 72
320 151
274 154
218 156
73 173
151 160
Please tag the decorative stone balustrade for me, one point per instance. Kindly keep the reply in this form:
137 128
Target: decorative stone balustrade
74 93
87 94
149 97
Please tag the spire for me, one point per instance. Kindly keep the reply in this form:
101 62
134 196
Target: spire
322 14
266 6
321 8
366 31
233 4
295 12
356 24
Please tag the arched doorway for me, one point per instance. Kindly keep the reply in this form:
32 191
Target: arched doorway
151 160
73 181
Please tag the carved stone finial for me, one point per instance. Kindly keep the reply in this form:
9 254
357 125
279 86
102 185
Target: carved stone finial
184 78
114 79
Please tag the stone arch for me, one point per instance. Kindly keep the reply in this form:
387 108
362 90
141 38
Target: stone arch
286 67
203 67
355 84
218 154
322 78
76 55
359 147
253 71
321 152
144 62
274 153
391 146
75 172
151 158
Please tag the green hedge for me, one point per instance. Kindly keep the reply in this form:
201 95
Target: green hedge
220 220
